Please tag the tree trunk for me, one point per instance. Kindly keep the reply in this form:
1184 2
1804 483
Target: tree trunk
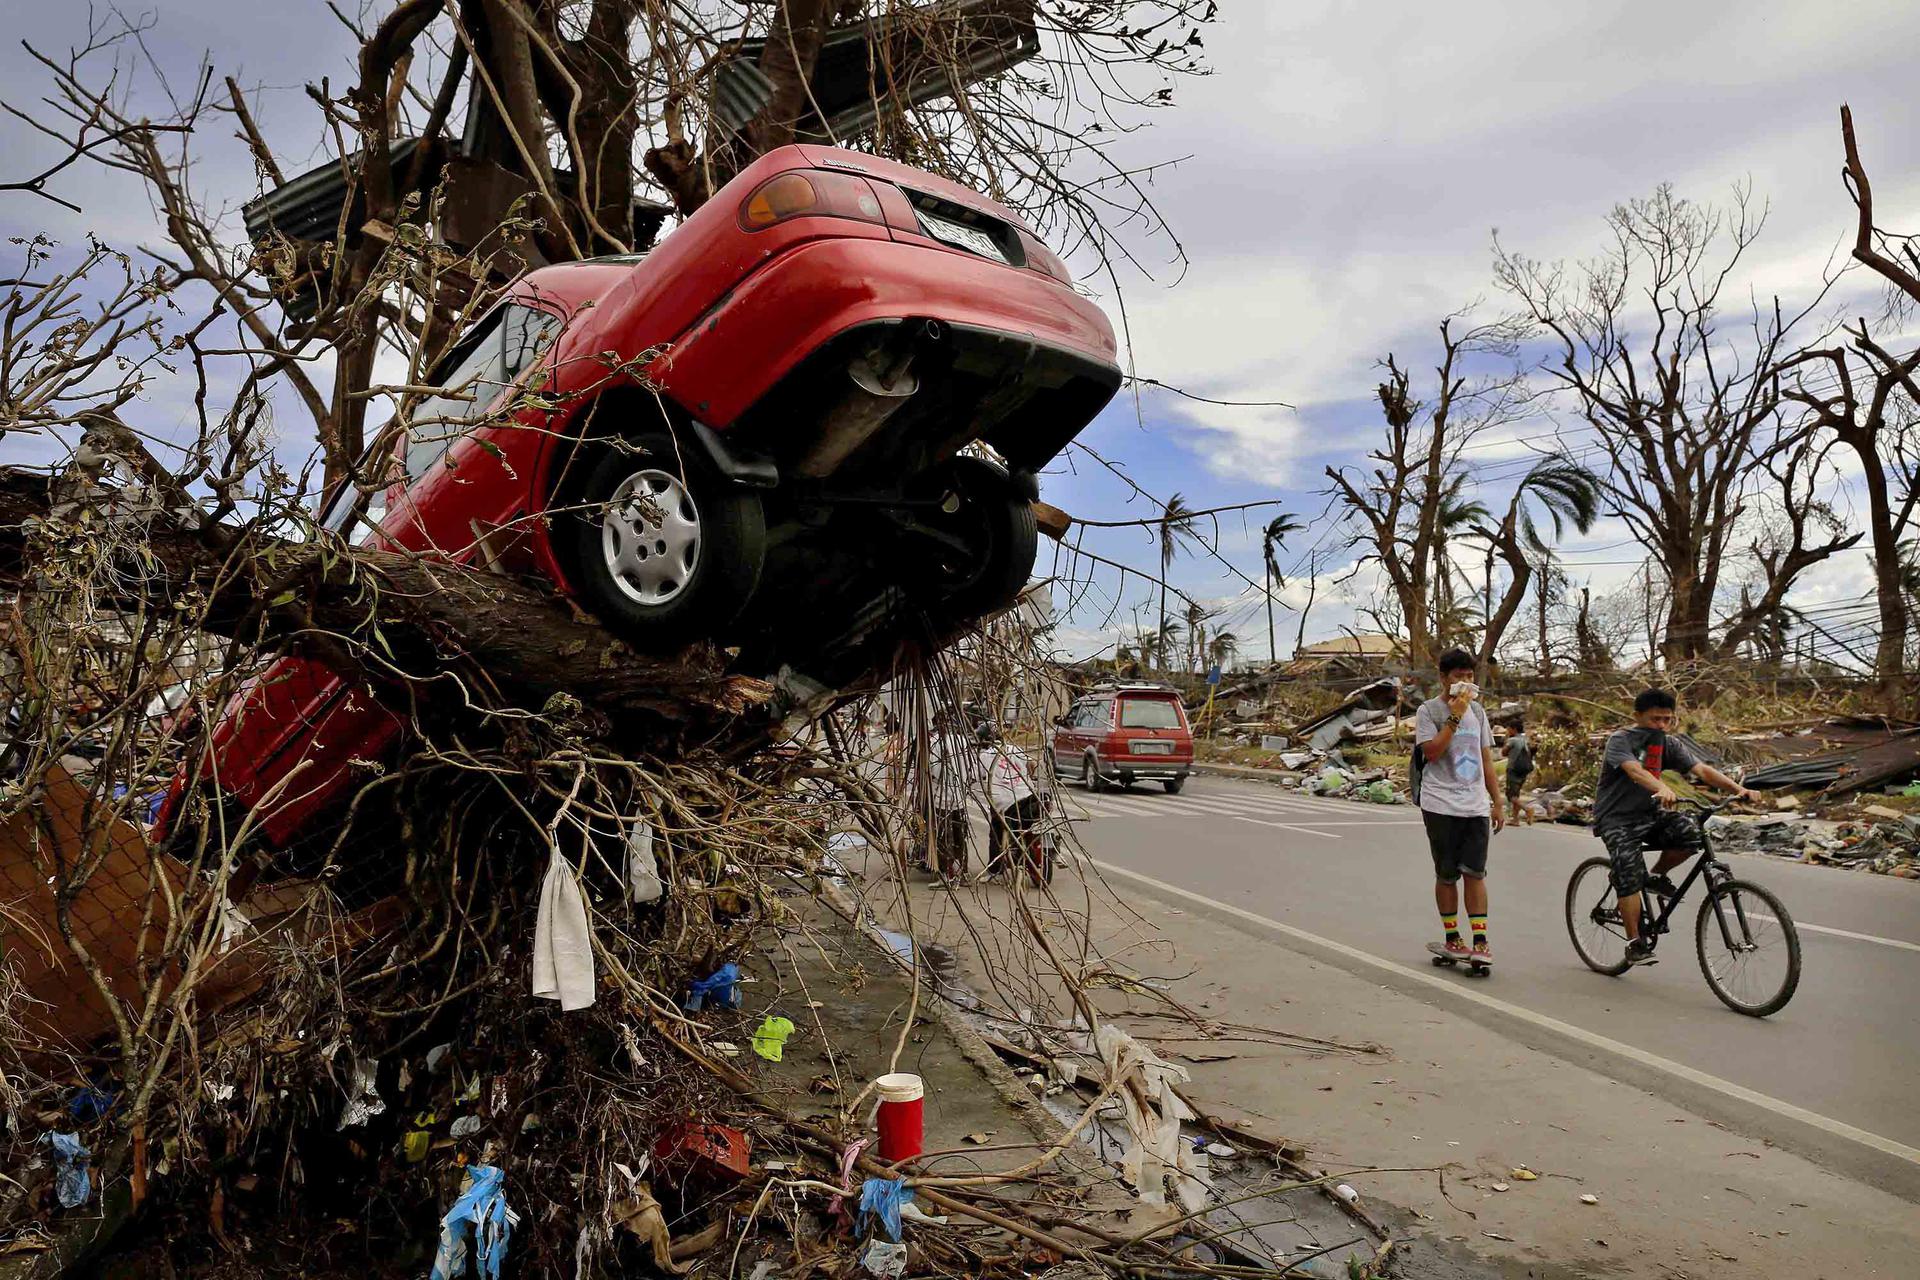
422 616
1273 653
1546 585
1890 656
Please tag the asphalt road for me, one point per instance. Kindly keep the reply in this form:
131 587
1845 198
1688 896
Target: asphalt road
1355 880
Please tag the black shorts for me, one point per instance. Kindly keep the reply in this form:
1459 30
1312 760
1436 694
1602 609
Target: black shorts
1627 840
1458 845
1516 781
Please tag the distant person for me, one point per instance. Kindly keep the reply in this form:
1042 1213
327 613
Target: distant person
1459 800
955 767
1633 808
1519 754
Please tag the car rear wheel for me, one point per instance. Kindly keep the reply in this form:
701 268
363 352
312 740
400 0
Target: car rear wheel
980 509
1173 785
1090 776
659 547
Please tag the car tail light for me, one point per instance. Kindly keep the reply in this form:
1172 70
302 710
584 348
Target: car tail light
1044 260
813 194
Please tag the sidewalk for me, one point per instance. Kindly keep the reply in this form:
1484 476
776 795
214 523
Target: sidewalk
1451 1109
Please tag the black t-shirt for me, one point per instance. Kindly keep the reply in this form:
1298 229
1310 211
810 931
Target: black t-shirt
1620 797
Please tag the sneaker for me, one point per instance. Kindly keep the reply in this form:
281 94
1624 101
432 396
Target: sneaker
1481 951
1663 886
1456 947
1640 951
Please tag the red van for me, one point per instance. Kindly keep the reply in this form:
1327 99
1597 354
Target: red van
1123 734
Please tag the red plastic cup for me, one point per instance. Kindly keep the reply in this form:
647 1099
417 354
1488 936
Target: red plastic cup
902 1108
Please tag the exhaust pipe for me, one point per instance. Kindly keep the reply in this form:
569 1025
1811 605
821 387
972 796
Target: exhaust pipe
883 380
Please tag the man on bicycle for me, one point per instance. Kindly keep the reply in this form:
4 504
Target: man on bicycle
1633 809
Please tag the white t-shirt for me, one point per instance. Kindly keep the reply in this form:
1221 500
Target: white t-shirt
1456 783
1009 773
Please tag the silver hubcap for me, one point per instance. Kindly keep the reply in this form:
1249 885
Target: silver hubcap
650 536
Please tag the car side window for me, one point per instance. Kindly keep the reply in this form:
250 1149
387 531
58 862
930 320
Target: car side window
484 363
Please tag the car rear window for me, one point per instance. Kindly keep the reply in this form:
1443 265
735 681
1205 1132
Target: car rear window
1149 713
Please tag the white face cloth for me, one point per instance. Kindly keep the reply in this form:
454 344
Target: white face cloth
562 943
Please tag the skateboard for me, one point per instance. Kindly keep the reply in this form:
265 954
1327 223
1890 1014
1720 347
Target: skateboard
1478 968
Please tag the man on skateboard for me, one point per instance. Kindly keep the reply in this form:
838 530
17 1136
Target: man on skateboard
1459 804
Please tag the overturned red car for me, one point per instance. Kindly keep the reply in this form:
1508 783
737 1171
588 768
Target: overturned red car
817 406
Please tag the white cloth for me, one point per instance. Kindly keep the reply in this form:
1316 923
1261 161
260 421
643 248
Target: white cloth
562 944
643 869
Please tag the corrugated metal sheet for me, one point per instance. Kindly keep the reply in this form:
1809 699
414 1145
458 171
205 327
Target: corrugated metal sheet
916 56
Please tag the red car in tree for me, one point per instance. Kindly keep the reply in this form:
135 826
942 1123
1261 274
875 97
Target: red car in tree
766 432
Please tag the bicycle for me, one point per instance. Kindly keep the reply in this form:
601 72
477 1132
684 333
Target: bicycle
1739 950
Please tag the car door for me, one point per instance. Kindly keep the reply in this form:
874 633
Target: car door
461 491
1064 737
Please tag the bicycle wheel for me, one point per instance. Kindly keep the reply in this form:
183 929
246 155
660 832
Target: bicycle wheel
1593 919
1749 949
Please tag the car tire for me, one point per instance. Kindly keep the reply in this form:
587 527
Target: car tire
660 585
1174 785
1090 776
998 524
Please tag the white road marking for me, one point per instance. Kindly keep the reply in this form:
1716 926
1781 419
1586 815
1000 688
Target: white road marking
1727 1088
1846 933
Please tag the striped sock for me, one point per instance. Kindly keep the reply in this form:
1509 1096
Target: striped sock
1479 923
1451 923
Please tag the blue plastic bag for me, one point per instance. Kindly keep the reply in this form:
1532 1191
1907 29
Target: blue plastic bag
479 1223
884 1197
720 987
71 1182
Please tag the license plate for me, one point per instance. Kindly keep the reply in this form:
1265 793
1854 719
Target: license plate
960 235
1153 748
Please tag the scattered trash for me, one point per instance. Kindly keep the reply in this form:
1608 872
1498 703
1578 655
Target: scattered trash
562 942
980 1139
419 1139
885 1259
882 1198
71 1182
464 1127
721 986
1500 1186
1153 1110
702 1150
478 1226
1524 1174
363 1100
1378 792
1589 1199
643 868
911 1212
641 1214
1220 1151
1495 1235
770 1037
1346 1193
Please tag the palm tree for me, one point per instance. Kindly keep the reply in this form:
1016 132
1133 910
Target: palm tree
1167 642
1457 513
1273 539
1223 648
1197 617
1569 494
1177 532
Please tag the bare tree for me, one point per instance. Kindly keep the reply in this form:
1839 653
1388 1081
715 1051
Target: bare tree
1688 416
1413 500
493 135
1863 392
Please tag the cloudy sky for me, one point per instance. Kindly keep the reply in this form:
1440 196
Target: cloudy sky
1339 178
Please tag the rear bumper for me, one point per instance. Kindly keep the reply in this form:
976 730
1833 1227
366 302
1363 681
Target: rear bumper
737 354
1143 768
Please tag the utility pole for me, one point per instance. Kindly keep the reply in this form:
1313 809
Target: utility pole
1313 583
1646 597
1546 585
